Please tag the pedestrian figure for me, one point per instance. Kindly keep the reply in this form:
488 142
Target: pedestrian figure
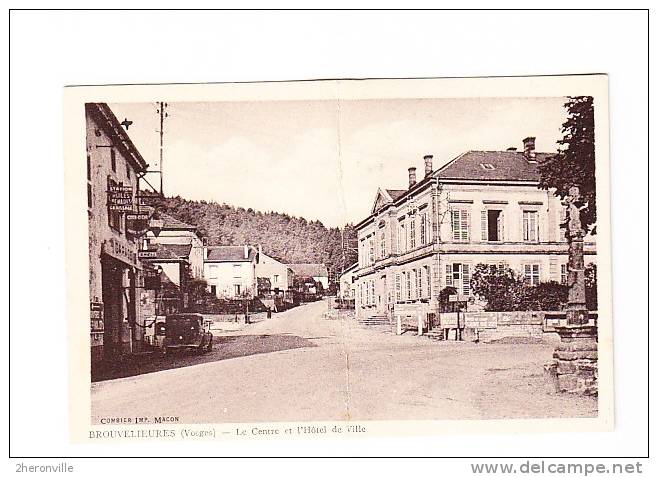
269 312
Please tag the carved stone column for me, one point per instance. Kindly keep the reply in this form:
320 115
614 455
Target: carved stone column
575 365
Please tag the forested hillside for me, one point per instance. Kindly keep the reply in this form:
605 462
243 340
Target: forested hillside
287 238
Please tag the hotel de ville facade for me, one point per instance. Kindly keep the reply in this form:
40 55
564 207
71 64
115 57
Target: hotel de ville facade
481 207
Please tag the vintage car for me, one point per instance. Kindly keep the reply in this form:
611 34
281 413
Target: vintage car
187 331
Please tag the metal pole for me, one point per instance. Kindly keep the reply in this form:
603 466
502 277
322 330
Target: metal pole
161 141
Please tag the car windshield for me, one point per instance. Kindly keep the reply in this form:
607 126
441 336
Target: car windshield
183 322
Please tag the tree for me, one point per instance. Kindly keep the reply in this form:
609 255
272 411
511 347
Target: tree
445 305
574 164
504 290
499 286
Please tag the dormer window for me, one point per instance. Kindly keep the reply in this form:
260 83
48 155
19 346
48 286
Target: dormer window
487 166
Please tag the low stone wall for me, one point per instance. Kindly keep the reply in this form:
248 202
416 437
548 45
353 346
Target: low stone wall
489 326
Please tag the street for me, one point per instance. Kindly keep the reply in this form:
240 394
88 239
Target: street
299 366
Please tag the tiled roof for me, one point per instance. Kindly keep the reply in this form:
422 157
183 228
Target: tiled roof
173 223
169 222
230 253
172 251
309 269
395 193
492 165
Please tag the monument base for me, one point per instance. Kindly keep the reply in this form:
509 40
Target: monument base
575 361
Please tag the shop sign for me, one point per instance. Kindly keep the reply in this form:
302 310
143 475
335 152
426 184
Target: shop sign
120 198
147 254
96 315
121 251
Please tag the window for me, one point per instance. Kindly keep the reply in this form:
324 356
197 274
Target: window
382 243
237 289
419 286
402 238
275 279
492 225
408 285
212 271
412 233
90 197
428 275
88 167
487 166
113 159
562 231
213 289
372 292
530 226
460 225
398 288
237 270
423 229
458 276
531 273
564 274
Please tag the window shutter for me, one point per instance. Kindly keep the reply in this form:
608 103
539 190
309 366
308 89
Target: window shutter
466 279
501 226
465 225
448 275
455 224
483 225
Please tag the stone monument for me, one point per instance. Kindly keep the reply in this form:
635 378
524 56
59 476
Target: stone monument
575 365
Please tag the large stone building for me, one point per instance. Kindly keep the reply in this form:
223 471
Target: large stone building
481 207
113 167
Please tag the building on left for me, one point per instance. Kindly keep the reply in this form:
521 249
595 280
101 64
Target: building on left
116 276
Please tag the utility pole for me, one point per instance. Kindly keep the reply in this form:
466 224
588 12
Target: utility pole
162 106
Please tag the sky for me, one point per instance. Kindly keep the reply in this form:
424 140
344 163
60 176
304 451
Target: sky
325 160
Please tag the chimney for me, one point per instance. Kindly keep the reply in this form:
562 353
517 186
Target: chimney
428 164
246 252
205 252
412 177
529 148
260 249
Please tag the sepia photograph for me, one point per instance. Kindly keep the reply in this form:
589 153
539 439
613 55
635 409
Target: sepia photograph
347 259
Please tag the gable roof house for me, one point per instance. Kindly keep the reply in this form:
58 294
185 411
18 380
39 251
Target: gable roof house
317 271
279 274
230 270
481 207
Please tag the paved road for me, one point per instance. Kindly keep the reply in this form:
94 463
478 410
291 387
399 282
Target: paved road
338 370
